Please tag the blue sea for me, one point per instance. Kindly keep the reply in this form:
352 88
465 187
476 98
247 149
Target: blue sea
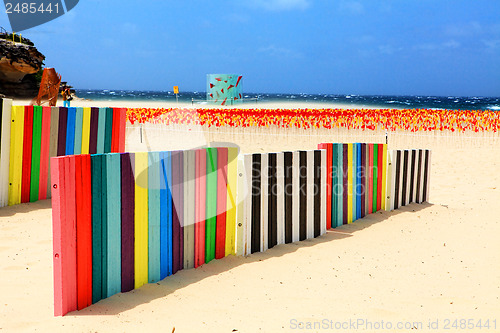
390 102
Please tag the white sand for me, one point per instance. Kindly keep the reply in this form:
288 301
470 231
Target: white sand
426 262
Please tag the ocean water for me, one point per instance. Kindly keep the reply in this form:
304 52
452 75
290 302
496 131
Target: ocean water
390 102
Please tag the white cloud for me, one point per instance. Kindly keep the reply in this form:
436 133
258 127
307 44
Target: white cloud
280 5
492 44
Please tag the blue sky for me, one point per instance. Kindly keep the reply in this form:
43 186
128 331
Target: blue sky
399 47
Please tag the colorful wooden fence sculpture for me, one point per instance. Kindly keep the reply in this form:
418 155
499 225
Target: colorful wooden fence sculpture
124 220
31 135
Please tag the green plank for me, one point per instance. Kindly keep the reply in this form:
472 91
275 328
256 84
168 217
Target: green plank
108 130
154 217
104 232
113 183
35 153
96 228
211 204
375 176
101 127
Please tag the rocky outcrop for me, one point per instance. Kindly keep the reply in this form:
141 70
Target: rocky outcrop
17 63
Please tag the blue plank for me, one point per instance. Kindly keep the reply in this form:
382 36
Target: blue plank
165 214
168 166
153 217
78 131
113 180
101 127
354 181
359 186
70 131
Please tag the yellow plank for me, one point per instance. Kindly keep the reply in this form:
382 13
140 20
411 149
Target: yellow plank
141 219
349 182
232 178
384 176
86 131
16 154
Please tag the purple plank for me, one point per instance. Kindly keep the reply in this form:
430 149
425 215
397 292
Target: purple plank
61 140
127 216
94 123
363 179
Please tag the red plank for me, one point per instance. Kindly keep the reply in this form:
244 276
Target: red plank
44 153
200 197
115 132
123 123
64 237
87 216
379 175
27 147
329 169
220 236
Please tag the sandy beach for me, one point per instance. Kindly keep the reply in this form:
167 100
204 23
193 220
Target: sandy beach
423 264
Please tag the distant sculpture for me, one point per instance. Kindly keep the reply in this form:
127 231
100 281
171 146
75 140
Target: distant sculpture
49 87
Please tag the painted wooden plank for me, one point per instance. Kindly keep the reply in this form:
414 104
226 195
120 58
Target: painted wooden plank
317 194
419 176
166 215
64 238
108 131
101 130
427 176
200 206
345 183
398 180
389 186
154 251
104 225
404 172
94 130
335 185
70 131
115 129
221 206
288 192
78 131
384 177
141 219
232 178
35 153
127 221
264 203
354 181
177 211
27 151
97 202
323 196
408 177
86 115
87 216
244 210
310 188
62 132
302 195
211 205
189 208
123 122
367 178
272 215
414 165
327 147
44 153
280 198
5 141
375 178
114 238
256 168
54 135
380 156
295 196
350 176
82 264
359 184
370 177
340 184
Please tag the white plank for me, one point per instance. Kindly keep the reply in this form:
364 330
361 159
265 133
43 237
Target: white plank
323 191
264 202
280 202
295 197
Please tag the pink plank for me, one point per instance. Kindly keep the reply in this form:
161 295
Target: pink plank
44 153
123 123
200 197
370 178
